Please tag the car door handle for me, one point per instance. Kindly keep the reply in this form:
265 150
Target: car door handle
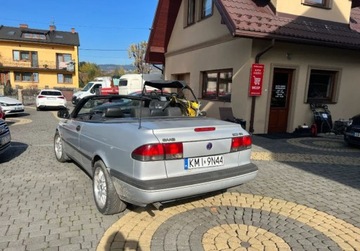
78 128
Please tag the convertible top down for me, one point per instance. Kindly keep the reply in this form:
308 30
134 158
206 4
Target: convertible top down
141 150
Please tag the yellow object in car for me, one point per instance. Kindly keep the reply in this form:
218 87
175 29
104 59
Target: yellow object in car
192 108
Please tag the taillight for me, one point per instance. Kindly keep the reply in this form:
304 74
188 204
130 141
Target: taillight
173 150
40 96
240 143
154 152
62 97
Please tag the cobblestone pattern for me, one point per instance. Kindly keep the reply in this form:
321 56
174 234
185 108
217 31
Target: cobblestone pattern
228 228
44 205
305 197
190 226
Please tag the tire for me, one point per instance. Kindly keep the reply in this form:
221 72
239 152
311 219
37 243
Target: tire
106 198
59 149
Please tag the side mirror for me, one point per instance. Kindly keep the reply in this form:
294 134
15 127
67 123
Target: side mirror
63 114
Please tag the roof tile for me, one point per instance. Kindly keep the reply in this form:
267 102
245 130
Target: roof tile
52 37
252 20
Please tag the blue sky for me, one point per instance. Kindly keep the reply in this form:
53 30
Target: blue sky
106 28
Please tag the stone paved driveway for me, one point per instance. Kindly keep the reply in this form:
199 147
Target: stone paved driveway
306 197
44 205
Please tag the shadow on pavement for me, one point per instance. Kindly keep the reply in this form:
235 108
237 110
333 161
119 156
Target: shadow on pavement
150 208
278 135
19 115
14 151
116 241
327 156
347 175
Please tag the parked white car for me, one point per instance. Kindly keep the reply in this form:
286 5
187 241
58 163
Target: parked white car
11 105
50 98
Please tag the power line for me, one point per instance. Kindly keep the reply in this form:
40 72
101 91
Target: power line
102 49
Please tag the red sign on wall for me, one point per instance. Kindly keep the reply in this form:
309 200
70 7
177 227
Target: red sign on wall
256 79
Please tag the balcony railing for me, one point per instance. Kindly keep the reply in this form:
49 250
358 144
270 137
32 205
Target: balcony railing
40 65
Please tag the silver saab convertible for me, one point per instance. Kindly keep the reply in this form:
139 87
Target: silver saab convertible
144 150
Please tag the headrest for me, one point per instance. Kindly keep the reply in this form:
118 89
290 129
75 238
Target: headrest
113 112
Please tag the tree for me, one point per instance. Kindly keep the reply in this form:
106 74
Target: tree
137 52
87 72
118 72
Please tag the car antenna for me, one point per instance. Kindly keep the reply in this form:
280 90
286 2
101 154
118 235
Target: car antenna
140 114
142 100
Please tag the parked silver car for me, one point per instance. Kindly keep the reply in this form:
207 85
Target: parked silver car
146 156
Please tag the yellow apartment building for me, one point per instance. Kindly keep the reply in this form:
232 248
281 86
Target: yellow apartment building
34 58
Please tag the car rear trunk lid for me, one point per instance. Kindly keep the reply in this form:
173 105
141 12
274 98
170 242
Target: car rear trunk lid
206 144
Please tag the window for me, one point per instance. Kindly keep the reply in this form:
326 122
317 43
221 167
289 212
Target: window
26 76
322 85
62 60
217 85
123 82
34 36
21 55
64 78
206 8
317 3
191 12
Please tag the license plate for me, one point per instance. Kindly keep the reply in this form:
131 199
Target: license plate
51 98
17 108
357 134
208 161
5 140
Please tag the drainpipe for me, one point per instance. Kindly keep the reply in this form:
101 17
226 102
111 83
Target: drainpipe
253 98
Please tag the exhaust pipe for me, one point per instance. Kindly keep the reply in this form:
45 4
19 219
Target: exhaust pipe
158 206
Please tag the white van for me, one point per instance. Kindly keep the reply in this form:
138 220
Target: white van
92 88
130 83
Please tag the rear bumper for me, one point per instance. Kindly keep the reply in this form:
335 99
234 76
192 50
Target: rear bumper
140 192
13 111
51 106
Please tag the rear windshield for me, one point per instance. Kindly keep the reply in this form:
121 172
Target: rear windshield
51 93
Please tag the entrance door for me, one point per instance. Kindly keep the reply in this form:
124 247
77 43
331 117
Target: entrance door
280 100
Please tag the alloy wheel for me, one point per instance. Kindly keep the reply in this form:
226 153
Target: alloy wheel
58 147
100 188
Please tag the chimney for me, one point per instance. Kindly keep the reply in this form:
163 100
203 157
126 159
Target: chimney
52 27
72 30
24 26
